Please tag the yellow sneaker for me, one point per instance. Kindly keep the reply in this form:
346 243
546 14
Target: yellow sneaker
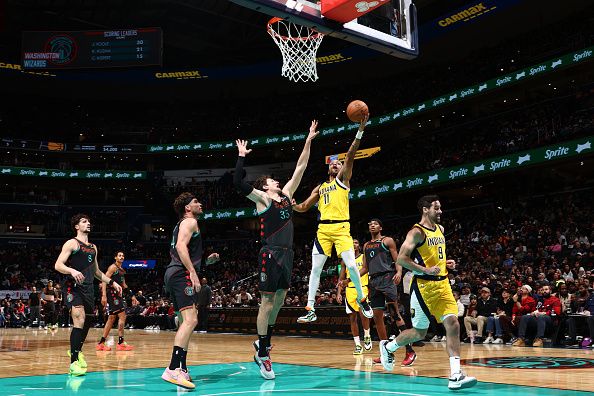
81 359
76 369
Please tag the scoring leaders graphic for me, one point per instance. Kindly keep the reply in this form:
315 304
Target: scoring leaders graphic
92 49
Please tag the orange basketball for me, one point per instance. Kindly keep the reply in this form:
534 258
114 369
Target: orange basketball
357 110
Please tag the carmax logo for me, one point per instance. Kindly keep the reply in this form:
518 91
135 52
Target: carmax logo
465 15
181 75
334 58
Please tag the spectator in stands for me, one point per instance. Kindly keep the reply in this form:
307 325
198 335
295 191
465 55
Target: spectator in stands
472 313
486 306
543 317
243 298
523 304
565 297
494 322
583 305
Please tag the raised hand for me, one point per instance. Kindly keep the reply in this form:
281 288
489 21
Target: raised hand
242 147
312 130
213 258
363 122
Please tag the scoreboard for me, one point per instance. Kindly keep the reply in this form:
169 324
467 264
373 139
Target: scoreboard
92 49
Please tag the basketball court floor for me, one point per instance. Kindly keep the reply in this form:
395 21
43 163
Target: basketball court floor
35 362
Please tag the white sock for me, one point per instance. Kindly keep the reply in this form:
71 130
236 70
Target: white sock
349 261
367 332
317 264
357 340
392 346
454 365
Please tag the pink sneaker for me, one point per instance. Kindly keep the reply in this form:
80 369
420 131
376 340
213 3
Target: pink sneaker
178 377
102 347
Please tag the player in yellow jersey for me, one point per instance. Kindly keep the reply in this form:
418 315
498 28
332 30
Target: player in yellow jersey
431 293
352 308
334 228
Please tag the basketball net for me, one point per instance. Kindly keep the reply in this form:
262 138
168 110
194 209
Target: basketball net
298 45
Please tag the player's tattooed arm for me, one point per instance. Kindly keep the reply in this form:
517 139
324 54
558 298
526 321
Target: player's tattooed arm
413 237
309 202
346 172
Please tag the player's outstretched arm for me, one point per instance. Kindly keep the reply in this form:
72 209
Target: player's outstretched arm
413 237
292 184
254 195
309 202
347 169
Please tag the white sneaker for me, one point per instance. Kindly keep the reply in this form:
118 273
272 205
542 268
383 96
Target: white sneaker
498 340
436 339
386 357
461 381
444 339
310 316
265 367
488 340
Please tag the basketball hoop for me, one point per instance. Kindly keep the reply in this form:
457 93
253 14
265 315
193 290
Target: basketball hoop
299 45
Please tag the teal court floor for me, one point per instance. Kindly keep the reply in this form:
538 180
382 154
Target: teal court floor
244 379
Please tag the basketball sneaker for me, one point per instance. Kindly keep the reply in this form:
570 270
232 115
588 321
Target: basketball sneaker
81 359
124 347
367 344
409 359
310 316
460 381
178 377
265 365
366 308
488 340
358 350
102 347
76 369
386 357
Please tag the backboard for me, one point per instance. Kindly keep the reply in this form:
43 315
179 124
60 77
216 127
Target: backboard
391 29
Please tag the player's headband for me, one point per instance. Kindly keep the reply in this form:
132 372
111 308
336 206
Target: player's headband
189 200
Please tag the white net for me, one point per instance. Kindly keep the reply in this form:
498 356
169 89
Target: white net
299 46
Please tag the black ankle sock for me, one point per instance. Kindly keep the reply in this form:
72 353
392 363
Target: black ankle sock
269 333
85 331
263 345
75 342
176 358
184 354
102 340
120 340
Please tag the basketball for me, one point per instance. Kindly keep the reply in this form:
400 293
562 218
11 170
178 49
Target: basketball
357 110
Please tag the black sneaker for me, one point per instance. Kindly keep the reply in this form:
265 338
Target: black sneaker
366 308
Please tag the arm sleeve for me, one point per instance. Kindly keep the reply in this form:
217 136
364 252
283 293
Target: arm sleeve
238 182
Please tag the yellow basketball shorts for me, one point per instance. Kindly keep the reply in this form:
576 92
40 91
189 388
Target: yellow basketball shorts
431 298
350 301
337 235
